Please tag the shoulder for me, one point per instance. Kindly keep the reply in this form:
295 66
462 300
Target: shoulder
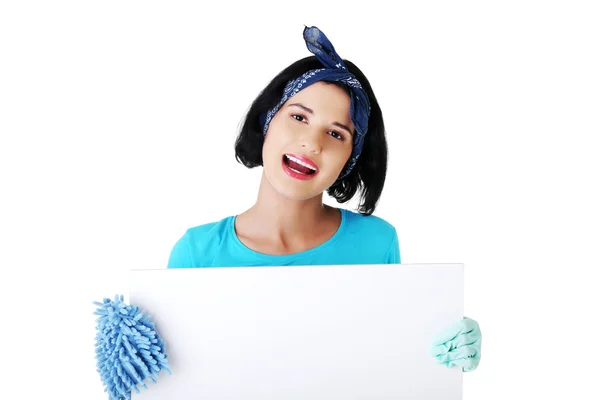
212 231
369 224
372 235
198 243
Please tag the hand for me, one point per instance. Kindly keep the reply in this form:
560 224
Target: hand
459 345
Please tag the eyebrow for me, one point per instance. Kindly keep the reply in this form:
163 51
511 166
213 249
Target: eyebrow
308 110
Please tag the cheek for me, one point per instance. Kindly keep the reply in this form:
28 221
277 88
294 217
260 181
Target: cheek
346 153
266 149
277 137
272 146
345 157
336 160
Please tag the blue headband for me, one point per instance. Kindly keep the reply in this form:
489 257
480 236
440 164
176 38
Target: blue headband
334 71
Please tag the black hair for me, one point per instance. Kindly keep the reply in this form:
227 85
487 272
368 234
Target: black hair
368 175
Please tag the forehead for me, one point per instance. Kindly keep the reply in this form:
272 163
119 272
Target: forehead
324 98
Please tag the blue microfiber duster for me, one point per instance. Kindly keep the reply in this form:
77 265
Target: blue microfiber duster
128 348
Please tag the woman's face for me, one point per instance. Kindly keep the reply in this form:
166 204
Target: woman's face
308 142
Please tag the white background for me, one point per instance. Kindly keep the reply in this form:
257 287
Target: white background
118 118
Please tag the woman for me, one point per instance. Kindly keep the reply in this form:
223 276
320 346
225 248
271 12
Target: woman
316 127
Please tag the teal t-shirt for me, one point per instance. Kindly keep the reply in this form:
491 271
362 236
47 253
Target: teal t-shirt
360 239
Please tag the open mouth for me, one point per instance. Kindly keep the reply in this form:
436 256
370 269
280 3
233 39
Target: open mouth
299 168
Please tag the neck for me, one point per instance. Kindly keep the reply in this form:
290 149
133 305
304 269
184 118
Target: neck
281 217
285 213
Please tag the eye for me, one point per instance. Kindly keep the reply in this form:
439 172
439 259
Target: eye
336 135
300 119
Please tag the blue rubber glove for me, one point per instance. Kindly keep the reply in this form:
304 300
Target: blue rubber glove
459 345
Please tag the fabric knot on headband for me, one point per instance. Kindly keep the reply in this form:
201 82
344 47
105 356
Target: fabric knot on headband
334 71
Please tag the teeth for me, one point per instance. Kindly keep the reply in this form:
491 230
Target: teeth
294 159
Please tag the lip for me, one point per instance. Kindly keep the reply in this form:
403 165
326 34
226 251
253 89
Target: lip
295 174
306 160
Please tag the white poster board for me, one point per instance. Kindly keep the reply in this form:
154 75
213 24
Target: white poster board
316 332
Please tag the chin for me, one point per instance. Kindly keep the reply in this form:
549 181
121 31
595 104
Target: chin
295 193
293 189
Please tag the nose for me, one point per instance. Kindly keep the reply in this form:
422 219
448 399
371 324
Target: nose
311 141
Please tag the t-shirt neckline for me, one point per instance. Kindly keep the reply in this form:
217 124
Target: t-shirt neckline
283 257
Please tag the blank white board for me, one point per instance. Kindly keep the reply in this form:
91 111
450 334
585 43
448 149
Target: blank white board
314 332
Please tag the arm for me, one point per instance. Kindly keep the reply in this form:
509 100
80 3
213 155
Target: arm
181 254
393 255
